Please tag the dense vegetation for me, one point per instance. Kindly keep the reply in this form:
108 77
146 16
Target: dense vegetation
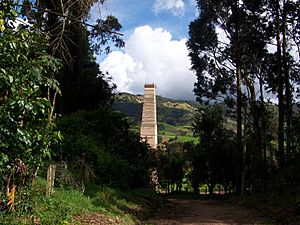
56 108
242 70
229 47
101 141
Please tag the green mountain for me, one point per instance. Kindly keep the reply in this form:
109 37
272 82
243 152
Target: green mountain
174 117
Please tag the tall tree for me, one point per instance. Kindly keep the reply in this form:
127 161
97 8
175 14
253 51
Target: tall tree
286 18
74 41
280 88
229 49
217 52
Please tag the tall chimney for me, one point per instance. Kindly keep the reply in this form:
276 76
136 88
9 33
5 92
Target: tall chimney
149 122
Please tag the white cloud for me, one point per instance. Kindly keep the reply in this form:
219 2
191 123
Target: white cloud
152 56
177 7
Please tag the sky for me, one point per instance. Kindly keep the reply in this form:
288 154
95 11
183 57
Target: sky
155 35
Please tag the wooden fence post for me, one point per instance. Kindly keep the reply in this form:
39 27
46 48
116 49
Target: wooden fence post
50 179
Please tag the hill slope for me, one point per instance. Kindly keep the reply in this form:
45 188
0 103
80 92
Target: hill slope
174 116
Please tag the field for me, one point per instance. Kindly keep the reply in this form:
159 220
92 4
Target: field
167 132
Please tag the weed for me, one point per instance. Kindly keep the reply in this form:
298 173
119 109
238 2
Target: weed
69 206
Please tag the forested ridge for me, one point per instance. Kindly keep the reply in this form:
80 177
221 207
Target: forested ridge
57 114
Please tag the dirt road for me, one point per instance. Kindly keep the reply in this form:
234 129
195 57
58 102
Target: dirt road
205 212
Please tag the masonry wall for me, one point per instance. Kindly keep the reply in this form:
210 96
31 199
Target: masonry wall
149 121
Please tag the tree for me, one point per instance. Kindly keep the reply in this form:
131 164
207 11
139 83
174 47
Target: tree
229 67
286 17
74 41
27 115
218 163
219 63
113 152
196 162
170 159
33 35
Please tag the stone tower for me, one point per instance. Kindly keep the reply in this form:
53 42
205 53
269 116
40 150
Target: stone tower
149 122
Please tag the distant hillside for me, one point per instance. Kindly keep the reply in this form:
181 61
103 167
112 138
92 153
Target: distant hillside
174 116
173 112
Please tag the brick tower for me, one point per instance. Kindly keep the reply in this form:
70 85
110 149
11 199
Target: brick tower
149 123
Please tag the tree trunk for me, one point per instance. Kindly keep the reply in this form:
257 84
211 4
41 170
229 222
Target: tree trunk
288 106
239 97
256 112
263 121
280 92
243 179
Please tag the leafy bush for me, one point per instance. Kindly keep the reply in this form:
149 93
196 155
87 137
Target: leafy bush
103 140
26 115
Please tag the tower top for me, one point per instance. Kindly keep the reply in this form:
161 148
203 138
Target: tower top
152 85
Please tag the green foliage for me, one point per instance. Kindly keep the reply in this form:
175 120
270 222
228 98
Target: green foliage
26 114
105 34
82 83
170 159
214 159
208 123
70 206
84 86
239 67
109 147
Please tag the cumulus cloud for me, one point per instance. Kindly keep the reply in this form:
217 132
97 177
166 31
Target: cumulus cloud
152 56
177 7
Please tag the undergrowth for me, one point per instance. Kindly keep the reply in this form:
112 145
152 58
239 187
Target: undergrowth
283 208
66 206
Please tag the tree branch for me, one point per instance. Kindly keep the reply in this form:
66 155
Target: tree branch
107 29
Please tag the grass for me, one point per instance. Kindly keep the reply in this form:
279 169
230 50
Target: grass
70 206
180 133
187 138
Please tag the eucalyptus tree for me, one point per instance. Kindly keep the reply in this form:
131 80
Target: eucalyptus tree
281 74
229 48
221 50
287 38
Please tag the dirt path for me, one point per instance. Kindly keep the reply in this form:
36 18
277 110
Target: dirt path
205 212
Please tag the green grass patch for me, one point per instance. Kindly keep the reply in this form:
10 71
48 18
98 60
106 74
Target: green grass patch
69 206
180 133
187 138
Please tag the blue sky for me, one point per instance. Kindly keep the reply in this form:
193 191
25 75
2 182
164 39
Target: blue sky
155 32
135 13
